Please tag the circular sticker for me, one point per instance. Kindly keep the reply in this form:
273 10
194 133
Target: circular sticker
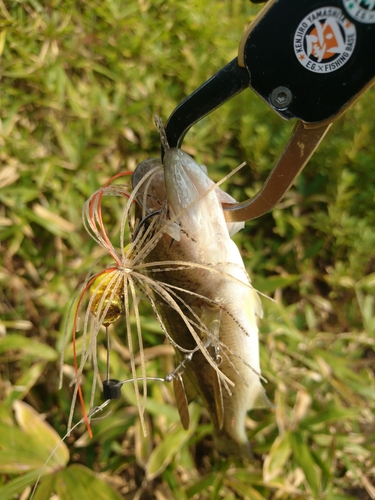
362 11
324 40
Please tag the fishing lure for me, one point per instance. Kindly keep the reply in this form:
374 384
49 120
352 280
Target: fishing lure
113 294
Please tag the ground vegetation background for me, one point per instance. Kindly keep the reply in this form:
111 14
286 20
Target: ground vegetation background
80 83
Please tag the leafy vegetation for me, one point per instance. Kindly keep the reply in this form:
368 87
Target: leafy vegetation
81 82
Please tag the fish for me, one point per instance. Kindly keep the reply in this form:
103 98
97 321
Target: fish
215 330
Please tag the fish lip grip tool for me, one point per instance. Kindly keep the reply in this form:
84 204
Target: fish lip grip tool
308 60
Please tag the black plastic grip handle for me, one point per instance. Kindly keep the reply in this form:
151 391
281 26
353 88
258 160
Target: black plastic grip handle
310 59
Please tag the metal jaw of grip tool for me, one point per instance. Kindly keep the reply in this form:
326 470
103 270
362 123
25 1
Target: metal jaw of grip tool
307 59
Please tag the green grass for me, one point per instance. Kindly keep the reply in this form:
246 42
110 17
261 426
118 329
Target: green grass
80 84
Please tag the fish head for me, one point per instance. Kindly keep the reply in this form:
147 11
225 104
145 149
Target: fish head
150 193
194 204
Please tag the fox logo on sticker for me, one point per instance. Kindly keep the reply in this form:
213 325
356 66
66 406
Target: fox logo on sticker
324 40
362 11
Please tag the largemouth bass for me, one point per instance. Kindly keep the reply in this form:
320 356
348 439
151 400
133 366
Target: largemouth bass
215 333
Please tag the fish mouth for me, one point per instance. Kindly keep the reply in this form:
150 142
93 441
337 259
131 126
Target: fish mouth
192 198
185 180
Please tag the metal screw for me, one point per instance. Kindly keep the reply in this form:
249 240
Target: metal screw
281 97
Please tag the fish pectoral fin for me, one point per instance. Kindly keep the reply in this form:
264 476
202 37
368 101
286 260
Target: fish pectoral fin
173 230
254 305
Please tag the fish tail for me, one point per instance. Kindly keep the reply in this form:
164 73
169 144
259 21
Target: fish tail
227 446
